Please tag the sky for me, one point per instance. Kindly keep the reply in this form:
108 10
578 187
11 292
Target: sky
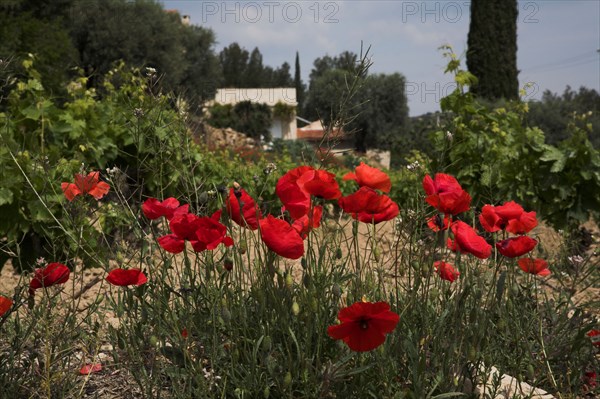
558 40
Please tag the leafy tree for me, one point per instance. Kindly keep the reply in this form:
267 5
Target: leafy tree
379 106
30 27
234 63
492 48
139 33
202 73
554 113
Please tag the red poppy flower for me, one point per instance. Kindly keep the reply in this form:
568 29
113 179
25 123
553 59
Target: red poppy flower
89 184
595 336
153 208
210 233
468 241
445 194
516 246
490 220
319 183
538 267
364 325
281 238
295 200
305 224
184 229
446 271
5 305
123 278
367 206
524 224
250 212
368 176
436 223
90 368
52 274
590 381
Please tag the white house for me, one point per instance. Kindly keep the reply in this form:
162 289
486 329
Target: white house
284 128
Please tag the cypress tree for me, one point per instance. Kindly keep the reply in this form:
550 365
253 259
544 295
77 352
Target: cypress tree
298 83
492 48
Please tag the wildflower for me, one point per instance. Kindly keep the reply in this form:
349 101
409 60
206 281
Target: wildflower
89 184
466 240
281 238
363 325
367 206
445 194
516 246
594 336
575 260
446 271
52 274
538 267
590 381
123 278
308 222
210 233
90 368
295 200
368 176
297 185
202 232
249 214
509 216
436 223
153 208
319 183
5 305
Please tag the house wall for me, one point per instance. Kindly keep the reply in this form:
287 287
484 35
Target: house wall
269 96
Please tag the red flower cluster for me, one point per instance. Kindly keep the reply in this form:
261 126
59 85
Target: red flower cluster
363 325
202 232
466 240
594 336
367 176
510 217
367 205
153 208
242 209
446 195
123 277
52 274
539 267
5 305
446 271
516 246
90 368
89 184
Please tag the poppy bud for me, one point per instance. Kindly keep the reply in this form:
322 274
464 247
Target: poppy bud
306 280
314 305
377 254
153 340
289 281
228 264
266 344
287 380
338 253
337 290
226 315
266 393
303 263
242 247
295 308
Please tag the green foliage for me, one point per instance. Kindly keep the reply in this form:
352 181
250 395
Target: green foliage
252 119
493 153
553 113
45 142
379 105
242 69
492 48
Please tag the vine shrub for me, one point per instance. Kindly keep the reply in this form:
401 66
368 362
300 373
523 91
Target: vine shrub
497 156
